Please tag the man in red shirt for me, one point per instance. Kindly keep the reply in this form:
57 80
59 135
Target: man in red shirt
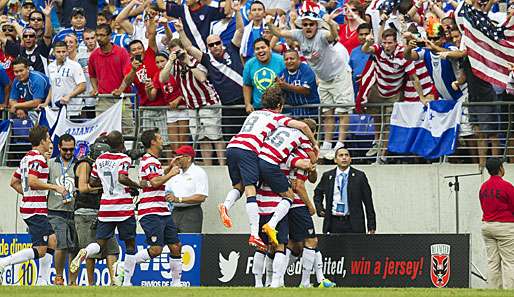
106 65
497 202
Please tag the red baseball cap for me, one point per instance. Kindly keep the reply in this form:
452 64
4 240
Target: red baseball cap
186 150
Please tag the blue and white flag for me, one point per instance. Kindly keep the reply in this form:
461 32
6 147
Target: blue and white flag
5 126
428 131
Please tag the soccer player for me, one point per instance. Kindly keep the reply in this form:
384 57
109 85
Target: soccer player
243 161
153 211
31 181
116 205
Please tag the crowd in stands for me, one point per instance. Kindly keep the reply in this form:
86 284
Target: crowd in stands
184 56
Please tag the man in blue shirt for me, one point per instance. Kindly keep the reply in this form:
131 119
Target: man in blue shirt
298 81
29 89
260 73
4 87
358 58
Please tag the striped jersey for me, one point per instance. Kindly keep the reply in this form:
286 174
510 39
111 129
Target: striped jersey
289 169
410 93
391 71
151 200
257 126
34 202
281 143
116 203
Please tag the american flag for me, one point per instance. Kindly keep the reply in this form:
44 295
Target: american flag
489 47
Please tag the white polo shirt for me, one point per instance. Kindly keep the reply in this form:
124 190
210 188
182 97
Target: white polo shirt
190 182
63 79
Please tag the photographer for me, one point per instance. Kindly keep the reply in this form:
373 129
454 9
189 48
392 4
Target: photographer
198 92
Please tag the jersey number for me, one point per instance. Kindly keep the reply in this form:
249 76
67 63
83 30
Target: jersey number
111 183
249 123
278 138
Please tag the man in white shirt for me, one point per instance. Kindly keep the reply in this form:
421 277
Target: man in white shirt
67 81
88 111
187 191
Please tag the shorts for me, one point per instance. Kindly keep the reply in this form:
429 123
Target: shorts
282 229
243 166
301 225
173 116
375 97
39 229
273 176
155 119
338 91
159 230
126 229
209 121
64 226
86 234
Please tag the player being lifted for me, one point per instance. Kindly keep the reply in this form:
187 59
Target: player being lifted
110 171
243 161
31 181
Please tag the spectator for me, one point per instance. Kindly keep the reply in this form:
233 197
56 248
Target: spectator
497 202
7 32
60 209
348 32
5 88
358 58
27 7
224 71
330 63
70 8
29 89
72 46
253 30
191 75
187 191
299 83
37 21
170 94
82 58
78 23
260 73
198 17
106 65
67 81
339 197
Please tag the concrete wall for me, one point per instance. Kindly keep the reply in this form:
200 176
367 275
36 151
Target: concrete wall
407 198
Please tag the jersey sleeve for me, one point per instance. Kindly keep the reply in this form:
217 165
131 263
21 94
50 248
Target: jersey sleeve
282 120
36 167
78 74
94 172
17 173
124 166
150 170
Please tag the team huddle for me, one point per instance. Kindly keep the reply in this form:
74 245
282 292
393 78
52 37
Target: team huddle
269 161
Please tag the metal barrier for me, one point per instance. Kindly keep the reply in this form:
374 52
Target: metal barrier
209 129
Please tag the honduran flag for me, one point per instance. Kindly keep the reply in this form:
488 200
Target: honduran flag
5 126
427 131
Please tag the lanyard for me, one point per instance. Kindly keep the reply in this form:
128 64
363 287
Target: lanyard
63 172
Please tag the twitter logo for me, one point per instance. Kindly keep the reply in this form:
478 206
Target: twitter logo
228 266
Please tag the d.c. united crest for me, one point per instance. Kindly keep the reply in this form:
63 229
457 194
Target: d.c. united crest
440 264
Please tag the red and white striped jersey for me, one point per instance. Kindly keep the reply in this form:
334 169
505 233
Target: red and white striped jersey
196 93
267 200
410 94
116 203
151 200
34 202
296 173
391 71
257 126
281 143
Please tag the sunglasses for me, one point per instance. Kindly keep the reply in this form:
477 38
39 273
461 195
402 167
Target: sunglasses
36 19
213 44
65 149
308 25
29 36
7 29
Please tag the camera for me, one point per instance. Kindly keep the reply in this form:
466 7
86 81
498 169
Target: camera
138 58
181 55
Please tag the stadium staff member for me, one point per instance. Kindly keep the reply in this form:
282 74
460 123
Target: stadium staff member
497 202
344 190
187 191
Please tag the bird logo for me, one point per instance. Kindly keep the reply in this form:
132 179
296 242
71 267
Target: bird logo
228 266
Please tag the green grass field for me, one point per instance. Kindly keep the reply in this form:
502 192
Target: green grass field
246 292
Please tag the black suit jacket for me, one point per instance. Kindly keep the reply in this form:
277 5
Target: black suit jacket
359 193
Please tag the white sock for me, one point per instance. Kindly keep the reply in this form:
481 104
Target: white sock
292 258
252 210
308 259
318 267
269 270
339 144
18 257
142 256
45 264
176 269
326 145
129 267
278 269
232 197
92 249
258 268
280 212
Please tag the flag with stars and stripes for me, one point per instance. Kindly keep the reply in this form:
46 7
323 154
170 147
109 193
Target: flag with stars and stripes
489 46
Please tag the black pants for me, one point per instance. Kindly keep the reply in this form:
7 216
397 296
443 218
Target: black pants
340 225
188 219
232 119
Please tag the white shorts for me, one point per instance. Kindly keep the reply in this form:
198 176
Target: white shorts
337 91
210 123
177 115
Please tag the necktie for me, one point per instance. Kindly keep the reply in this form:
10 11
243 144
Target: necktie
343 191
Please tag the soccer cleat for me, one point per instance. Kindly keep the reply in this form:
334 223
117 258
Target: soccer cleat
119 273
1 275
257 243
75 263
41 282
330 155
272 234
326 283
225 219
373 151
